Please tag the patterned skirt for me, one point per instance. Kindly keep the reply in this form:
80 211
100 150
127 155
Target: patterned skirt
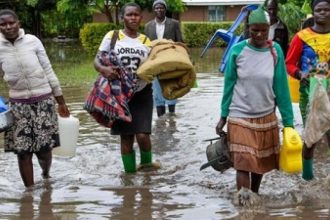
35 128
254 143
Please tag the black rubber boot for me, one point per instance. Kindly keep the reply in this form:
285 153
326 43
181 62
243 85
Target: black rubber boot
160 110
171 108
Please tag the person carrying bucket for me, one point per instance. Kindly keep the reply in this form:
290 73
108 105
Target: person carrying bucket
255 84
310 49
33 90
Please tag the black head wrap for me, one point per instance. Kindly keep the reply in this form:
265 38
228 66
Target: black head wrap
315 2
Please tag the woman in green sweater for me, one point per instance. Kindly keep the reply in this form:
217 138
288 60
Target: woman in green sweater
255 84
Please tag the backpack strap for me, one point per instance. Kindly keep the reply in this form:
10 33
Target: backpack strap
145 39
114 38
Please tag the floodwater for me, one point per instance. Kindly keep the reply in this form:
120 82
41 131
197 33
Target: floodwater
92 184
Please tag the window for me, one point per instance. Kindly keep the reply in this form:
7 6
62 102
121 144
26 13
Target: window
216 13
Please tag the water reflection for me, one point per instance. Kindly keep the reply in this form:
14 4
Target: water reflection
44 206
136 201
164 134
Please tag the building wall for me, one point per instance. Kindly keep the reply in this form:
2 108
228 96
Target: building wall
232 12
195 13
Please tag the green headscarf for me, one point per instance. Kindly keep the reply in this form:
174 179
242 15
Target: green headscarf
259 16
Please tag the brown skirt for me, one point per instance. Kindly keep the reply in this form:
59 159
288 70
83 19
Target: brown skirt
254 143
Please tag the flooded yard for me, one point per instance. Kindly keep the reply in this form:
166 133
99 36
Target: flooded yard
92 185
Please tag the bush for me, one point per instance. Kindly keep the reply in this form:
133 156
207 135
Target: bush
195 34
91 35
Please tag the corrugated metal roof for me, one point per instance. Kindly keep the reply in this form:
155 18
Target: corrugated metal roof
223 2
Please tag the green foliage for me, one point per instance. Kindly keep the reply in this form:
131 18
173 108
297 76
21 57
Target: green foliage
91 35
197 34
292 16
56 23
32 3
175 6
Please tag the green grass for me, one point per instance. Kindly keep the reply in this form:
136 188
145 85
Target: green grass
75 74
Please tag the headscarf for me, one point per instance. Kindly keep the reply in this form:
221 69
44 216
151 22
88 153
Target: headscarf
315 2
259 16
159 2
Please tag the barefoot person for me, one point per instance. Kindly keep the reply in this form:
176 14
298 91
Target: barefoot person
132 48
32 87
309 48
255 84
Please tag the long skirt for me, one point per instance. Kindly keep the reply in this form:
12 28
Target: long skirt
254 143
35 127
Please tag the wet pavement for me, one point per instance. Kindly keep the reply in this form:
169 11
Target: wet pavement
92 185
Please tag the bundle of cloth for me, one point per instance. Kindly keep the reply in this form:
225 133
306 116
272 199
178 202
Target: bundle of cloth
108 100
169 61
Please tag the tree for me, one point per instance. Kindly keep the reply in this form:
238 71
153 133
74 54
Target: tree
292 15
30 11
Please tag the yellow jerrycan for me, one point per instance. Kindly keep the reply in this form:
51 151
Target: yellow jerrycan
291 151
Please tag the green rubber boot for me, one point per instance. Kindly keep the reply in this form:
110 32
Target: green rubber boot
146 162
129 162
146 157
307 169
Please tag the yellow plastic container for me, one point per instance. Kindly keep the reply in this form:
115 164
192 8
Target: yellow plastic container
291 151
294 85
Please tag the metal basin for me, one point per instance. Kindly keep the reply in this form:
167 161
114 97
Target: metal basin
6 120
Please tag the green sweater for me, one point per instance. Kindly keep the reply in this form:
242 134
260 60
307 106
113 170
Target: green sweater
254 86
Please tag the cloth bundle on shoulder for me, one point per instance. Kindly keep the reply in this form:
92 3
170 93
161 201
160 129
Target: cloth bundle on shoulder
169 61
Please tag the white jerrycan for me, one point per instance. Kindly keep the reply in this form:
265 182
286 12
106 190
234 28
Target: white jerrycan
69 131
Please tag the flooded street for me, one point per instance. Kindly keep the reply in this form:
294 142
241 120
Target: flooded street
92 185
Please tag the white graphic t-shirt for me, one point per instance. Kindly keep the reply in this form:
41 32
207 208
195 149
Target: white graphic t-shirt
132 52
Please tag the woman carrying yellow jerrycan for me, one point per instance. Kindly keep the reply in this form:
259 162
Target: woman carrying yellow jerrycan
252 91
309 50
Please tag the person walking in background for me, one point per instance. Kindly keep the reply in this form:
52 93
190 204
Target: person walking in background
309 48
32 87
255 84
159 28
278 31
132 49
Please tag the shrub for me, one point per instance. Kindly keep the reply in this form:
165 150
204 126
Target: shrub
91 35
195 34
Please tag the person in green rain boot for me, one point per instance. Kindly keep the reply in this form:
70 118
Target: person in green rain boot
132 49
308 48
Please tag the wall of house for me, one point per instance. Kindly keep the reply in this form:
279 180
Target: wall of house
232 12
195 13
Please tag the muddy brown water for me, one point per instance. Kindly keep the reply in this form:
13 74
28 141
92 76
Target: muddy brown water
92 185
